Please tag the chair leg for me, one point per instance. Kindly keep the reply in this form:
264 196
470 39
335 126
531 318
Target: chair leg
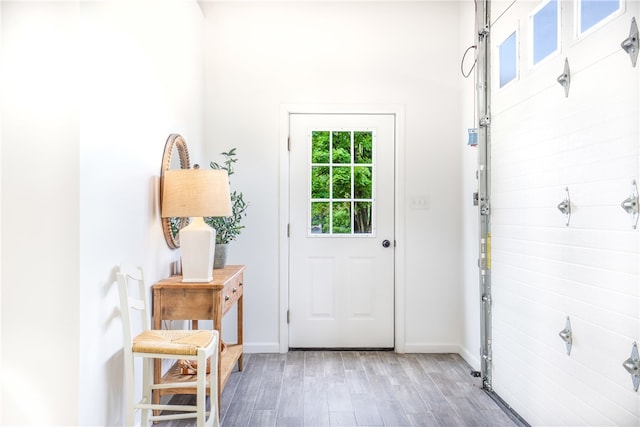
147 381
201 391
213 390
129 378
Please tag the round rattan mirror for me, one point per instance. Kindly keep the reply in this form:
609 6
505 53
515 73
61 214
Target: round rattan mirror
175 145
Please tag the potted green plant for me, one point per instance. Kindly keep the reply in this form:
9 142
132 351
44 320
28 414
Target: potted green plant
229 227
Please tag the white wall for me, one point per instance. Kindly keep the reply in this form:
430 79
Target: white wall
1 133
40 197
92 91
470 295
261 55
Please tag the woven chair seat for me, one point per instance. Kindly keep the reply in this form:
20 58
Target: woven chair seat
185 343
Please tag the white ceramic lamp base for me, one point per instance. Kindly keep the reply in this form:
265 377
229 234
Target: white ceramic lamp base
197 244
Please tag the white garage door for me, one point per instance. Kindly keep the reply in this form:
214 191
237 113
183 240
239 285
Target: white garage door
545 146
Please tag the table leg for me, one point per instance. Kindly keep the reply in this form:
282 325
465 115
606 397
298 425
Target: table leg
240 330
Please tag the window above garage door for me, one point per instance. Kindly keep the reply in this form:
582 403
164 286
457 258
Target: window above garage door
545 30
593 13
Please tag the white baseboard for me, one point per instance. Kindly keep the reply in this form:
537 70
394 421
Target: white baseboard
472 359
431 348
266 347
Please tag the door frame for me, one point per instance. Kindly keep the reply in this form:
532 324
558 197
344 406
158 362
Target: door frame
286 110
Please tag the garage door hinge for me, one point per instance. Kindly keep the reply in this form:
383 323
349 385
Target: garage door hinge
484 31
484 209
485 121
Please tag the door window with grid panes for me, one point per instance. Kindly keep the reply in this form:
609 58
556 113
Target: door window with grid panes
341 183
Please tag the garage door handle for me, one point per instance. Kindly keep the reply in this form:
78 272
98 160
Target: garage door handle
565 78
630 44
632 366
386 243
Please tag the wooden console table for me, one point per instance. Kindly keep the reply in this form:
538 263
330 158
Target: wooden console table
175 300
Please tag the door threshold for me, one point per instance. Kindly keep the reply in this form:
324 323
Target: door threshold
341 349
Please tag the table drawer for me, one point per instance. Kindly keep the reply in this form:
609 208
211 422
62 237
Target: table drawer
231 293
176 304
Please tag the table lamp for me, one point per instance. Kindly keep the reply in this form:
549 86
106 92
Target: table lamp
196 193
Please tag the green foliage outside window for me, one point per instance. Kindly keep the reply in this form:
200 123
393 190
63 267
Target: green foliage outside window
320 182
341 182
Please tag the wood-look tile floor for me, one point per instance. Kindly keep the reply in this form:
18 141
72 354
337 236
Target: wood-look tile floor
355 388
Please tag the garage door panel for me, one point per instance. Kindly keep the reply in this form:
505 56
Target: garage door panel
622 240
599 217
603 42
605 289
606 284
556 360
543 270
553 375
611 157
541 181
551 124
625 262
594 217
602 288
556 293
542 355
583 52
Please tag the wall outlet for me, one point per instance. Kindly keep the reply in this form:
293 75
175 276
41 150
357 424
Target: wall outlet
419 202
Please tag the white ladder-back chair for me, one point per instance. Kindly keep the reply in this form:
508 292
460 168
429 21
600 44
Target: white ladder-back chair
195 345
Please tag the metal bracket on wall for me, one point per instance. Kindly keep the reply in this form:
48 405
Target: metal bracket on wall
567 336
630 204
630 44
632 366
565 78
565 207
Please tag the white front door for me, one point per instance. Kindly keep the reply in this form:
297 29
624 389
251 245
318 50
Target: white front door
341 245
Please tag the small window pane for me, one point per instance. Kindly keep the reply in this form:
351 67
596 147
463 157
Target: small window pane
508 62
341 147
362 217
320 218
341 182
545 31
342 218
320 182
320 147
594 11
362 184
362 147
